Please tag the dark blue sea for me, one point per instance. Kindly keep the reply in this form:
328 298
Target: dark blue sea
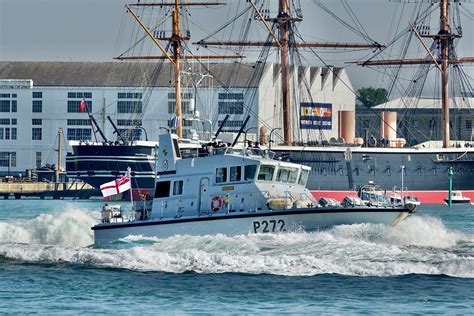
48 265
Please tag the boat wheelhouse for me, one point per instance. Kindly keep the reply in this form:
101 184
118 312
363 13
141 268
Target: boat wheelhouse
457 198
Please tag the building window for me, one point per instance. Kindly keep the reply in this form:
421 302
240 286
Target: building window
78 122
184 96
7 158
13 160
129 107
37 106
5 102
73 106
4 121
231 103
38 159
468 124
231 126
129 95
234 107
37 95
231 96
8 133
36 122
79 95
4 105
13 121
79 134
221 175
36 133
129 122
178 187
133 105
185 107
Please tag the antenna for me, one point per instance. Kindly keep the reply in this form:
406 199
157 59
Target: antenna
221 126
240 131
115 128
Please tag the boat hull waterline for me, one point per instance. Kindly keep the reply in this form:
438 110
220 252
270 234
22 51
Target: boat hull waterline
250 223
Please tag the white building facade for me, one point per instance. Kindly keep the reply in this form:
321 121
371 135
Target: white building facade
39 98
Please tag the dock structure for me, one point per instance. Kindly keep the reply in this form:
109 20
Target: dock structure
47 190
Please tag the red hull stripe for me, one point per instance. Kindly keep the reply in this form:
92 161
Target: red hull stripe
425 197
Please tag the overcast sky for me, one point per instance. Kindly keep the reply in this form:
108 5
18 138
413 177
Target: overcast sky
88 30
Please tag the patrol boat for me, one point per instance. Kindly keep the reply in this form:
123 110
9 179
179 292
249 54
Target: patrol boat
222 189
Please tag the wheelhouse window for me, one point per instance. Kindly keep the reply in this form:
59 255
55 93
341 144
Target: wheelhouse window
235 173
303 177
249 172
286 174
178 187
221 175
162 189
266 172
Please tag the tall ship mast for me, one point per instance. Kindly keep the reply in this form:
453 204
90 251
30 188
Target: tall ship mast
176 39
445 37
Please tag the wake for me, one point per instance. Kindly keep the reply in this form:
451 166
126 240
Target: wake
421 245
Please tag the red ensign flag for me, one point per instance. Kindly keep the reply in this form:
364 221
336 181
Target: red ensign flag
82 106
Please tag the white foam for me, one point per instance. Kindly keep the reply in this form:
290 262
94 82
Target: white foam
422 231
70 228
420 245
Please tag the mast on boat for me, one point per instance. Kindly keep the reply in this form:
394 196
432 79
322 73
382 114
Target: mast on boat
176 40
285 22
445 38
59 169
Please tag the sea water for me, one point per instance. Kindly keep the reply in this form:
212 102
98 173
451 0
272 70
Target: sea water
49 265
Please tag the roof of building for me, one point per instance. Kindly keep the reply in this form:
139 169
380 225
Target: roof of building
425 103
138 74
126 74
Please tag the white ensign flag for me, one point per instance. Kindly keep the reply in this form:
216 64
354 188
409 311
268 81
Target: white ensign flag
116 186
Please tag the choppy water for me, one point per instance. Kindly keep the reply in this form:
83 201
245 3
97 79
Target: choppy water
47 265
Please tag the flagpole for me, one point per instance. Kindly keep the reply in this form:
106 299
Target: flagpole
129 171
